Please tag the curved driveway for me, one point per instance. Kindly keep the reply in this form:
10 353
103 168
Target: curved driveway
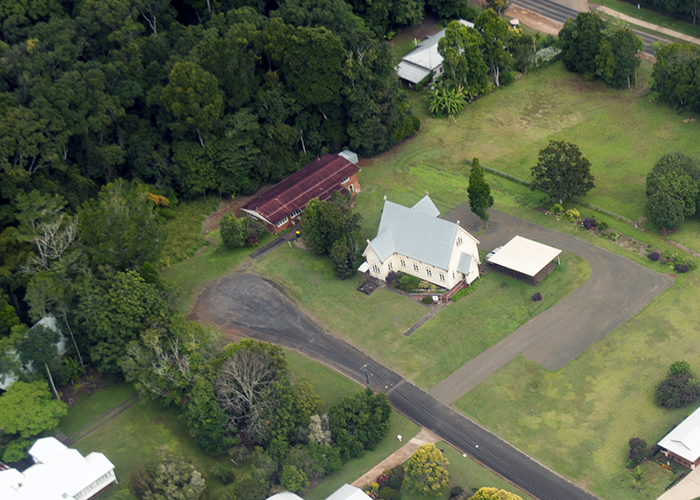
617 289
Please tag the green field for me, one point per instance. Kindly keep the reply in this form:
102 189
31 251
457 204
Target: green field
375 323
622 132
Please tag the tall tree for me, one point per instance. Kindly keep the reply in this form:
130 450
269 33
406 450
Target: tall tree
27 410
675 73
479 191
463 62
562 171
580 42
678 176
37 349
325 222
193 97
494 32
618 56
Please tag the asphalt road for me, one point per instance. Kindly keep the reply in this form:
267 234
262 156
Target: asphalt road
248 305
560 13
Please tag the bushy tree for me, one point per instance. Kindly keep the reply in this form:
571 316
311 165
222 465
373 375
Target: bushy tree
325 222
673 190
494 33
463 63
343 257
426 471
173 478
494 494
479 191
618 56
233 232
27 410
562 171
675 72
579 40
206 421
638 449
679 388
359 422
293 478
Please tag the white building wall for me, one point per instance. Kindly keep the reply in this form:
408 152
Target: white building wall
401 263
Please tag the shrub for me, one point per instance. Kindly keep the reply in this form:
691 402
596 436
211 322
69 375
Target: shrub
390 277
466 291
233 232
572 214
557 209
677 391
613 236
537 297
681 268
427 300
396 477
602 226
680 368
457 490
589 223
638 450
389 494
654 256
408 282
223 473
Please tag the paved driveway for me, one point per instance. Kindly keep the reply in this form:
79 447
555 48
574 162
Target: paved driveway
617 290
687 489
247 305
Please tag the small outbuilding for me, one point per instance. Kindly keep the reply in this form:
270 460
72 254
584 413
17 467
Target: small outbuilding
524 258
682 444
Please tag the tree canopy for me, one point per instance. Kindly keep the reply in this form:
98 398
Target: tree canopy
426 471
673 190
479 191
562 171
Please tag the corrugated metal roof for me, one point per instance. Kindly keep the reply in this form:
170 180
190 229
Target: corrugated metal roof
413 233
426 206
411 73
318 179
465 260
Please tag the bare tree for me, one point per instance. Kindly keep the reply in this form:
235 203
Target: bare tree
245 389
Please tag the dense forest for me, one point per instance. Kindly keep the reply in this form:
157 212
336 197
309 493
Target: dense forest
184 98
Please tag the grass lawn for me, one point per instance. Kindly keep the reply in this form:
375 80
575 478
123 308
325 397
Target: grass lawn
356 467
376 323
466 473
184 230
651 17
192 275
578 420
133 436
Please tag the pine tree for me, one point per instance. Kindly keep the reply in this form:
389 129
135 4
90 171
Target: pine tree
479 191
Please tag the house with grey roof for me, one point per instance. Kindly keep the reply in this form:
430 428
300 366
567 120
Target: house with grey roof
424 60
417 242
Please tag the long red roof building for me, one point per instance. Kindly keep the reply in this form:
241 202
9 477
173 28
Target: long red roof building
282 205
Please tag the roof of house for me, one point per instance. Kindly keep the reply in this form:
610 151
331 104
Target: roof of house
348 492
417 65
58 471
415 232
524 256
285 495
318 179
684 440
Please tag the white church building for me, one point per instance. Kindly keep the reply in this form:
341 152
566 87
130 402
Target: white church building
417 242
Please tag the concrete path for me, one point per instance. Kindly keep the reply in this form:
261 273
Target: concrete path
617 290
277 242
687 489
649 26
421 322
398 457
242 304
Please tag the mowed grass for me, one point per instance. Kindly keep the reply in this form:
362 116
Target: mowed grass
622 132
133 436
579 419
466 473
375 323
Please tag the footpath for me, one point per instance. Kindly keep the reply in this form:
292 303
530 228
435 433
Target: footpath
649 26
398 457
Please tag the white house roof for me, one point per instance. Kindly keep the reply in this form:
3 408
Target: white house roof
348 492
524 256
64 472
684 440
415 234
417 65
285 495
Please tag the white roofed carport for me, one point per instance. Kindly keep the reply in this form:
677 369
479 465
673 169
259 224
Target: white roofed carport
524 256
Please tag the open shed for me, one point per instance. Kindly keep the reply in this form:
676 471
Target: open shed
524 257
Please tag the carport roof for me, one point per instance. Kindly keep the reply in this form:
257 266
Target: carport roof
524 256
684 440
